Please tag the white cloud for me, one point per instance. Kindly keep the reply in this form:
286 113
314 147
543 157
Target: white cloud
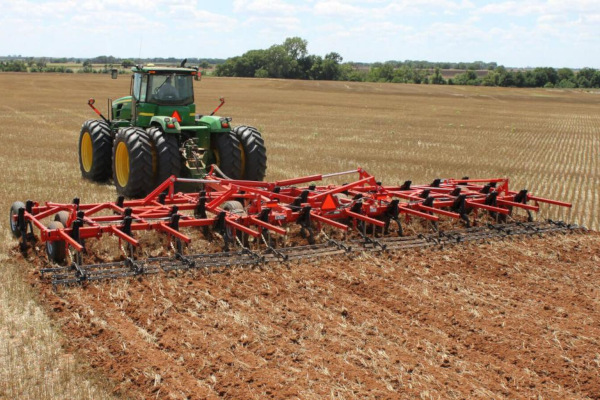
271 7
339 9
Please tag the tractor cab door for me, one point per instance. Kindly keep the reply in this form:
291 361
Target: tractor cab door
139 86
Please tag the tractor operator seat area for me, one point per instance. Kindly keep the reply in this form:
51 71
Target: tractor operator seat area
163 89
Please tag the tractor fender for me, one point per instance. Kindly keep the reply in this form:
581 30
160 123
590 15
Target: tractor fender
215 124
165 121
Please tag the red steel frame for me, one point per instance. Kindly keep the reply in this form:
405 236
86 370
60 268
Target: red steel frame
270 206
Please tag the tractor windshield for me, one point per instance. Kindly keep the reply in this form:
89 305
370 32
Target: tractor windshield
171 89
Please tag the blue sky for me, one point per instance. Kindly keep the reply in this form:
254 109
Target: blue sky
513 33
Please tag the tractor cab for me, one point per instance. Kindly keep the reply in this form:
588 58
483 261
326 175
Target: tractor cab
163 87
157 92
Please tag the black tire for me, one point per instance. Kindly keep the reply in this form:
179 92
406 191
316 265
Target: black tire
234 207
132 162
254 157
165 153
14 210
95 146
56 250
62 217
228 152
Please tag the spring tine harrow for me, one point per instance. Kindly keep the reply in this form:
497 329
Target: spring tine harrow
257 219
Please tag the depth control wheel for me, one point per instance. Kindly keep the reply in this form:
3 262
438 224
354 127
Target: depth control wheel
14 211
56 250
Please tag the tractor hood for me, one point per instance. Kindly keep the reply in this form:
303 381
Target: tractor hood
121 108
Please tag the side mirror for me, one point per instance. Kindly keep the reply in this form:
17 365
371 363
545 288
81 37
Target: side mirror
114 73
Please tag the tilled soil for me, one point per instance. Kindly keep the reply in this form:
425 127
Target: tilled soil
518 318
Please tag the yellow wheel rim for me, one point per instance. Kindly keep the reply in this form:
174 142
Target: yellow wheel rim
122 164
87 152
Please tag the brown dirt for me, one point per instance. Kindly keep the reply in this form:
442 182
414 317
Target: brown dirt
511 319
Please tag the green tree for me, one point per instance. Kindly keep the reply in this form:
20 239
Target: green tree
436 78
295 47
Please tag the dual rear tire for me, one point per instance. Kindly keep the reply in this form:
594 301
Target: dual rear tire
254 153
95 146
241 153
138 160
132 160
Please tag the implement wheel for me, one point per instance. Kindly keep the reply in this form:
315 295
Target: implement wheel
132 162
254 153
166 159
227 150
234 207
95 144
56 250
14 210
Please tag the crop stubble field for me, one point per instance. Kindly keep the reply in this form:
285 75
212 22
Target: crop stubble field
516 319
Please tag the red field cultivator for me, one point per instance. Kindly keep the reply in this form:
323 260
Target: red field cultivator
259 222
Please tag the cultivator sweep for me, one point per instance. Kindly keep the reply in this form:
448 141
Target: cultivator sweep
258 222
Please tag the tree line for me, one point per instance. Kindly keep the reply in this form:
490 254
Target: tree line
291 60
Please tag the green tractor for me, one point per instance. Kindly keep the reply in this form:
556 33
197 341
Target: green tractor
155 133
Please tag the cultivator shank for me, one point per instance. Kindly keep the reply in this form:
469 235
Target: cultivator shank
259 221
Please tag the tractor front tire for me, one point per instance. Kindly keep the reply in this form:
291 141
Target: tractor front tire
254 157
95 144
228 152
132 162
165 153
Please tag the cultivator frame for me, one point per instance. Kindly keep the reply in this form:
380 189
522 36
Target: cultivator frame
265 211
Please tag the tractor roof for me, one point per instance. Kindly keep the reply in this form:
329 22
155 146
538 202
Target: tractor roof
148 68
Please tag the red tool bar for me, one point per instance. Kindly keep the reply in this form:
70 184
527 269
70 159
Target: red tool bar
549 201
329 221
269 195
48 212
364 218
268 226
221 199
117 232
520 205
242 228
437 211
493 180
416 213
340 189
477 204
70 240
173 232
169 185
